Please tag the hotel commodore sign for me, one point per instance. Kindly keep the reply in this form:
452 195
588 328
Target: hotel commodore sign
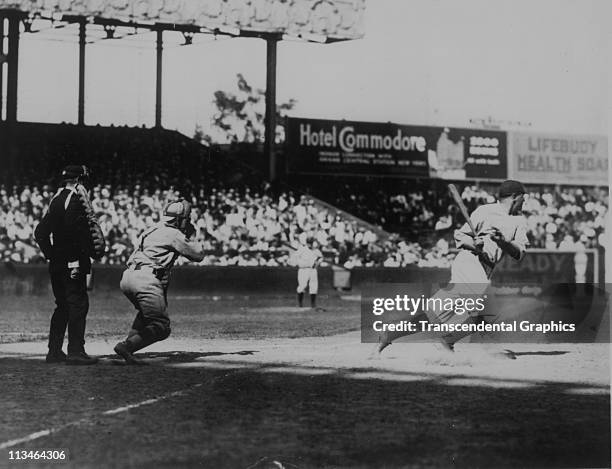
350 147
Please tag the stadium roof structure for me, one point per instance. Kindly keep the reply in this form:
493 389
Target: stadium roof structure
322 21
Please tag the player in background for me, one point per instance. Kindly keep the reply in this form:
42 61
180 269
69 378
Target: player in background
500 229
145 281
308 258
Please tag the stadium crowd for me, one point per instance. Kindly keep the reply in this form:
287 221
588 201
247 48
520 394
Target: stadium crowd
558 217
261 227
242 220
236 228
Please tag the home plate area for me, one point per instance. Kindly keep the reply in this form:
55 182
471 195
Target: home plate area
311 402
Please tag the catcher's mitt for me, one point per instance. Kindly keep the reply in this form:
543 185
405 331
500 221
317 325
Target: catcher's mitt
189 230
97 244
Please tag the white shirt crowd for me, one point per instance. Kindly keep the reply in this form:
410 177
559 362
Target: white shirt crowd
251 228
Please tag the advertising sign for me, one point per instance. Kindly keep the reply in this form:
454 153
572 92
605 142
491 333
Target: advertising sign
558 159
324 146
349 147
467 153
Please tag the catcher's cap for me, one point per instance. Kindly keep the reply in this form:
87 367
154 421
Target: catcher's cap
178 209
511 187
74 171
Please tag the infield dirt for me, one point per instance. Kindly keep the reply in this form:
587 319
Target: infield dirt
258 385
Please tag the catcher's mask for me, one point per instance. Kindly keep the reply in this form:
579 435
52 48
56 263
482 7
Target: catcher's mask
177 213
77 173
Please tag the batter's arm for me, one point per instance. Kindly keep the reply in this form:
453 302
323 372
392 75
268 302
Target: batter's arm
466 239
515 247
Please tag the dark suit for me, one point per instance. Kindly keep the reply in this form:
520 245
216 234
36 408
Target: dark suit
63 236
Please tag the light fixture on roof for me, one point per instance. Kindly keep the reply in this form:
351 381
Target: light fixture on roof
27 24
109 29
188 36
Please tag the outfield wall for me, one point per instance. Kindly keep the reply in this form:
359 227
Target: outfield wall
26 279
539 267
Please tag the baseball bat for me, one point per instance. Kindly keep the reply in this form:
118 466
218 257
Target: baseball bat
459 202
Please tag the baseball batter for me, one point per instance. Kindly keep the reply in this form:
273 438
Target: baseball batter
308 259
145 281
500 229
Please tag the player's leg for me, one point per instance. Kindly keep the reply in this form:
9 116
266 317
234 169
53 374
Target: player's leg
433 313
302 278
468 279
313 286
59 319
137 325
130 291
448 341
78 307
155 318
152 324
386 338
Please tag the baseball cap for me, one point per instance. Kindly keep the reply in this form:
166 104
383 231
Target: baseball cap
511 187
74 171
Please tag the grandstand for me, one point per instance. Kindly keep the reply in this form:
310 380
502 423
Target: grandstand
136 171
244 220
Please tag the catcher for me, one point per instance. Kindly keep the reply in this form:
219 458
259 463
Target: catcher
145 281
69 235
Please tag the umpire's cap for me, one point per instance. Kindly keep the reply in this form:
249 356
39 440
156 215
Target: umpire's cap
179 209
511 187
75 171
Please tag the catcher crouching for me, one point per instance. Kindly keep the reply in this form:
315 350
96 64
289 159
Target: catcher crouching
145 281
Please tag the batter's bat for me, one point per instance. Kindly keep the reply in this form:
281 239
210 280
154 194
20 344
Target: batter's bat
459 202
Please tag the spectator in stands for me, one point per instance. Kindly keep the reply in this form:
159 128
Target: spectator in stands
250 223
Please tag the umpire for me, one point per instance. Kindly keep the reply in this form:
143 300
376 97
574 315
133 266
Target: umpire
65 239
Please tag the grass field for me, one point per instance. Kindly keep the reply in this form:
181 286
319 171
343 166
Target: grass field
244 381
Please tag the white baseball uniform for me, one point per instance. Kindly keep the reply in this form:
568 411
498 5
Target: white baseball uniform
470 268
307 261
471 273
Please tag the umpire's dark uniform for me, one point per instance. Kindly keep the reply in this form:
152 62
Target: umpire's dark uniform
64 238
